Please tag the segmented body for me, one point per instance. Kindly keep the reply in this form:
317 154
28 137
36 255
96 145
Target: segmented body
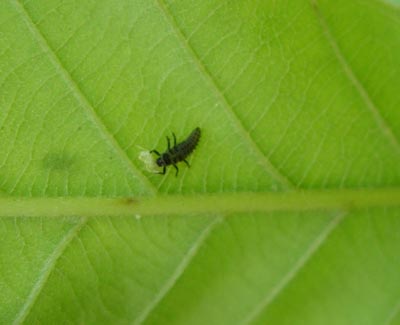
179 152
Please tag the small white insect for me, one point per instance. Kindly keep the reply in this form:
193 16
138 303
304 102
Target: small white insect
148 160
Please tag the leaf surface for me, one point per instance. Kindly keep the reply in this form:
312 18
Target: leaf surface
290 97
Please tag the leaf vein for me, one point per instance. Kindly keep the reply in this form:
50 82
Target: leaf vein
104 132
92 115
392 316
46 271
180 269
350 74
297 267
205 73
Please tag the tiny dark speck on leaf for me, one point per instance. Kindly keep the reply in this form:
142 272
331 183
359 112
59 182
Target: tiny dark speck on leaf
130 200
57 161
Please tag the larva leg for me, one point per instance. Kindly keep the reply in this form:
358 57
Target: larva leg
186 162
173 134
169 144
177 170
156 152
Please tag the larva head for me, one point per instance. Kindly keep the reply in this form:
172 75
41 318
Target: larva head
164 160
160 162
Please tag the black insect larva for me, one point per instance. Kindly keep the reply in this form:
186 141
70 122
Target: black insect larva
178 152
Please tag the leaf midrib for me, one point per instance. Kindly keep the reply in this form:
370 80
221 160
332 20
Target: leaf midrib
222 203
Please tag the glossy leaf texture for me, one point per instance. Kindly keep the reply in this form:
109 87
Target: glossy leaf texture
289 95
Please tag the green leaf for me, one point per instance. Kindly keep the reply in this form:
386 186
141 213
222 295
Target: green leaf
290 211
